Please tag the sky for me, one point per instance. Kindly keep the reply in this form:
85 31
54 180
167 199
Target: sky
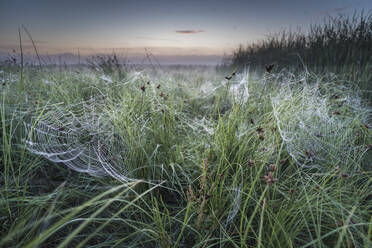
174 31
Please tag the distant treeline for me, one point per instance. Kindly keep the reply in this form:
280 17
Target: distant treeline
338 42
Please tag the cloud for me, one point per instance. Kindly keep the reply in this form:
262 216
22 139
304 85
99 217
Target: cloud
189 31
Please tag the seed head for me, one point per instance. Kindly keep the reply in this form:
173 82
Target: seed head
309 153
250 163
344 175
269 178
336 112
269 67
259 130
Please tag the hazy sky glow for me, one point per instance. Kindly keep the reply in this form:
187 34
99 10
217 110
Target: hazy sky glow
166 28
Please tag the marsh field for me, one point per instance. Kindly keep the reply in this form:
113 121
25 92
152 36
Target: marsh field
272 148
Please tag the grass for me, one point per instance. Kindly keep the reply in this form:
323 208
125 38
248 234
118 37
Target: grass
341 44
183 159
109 155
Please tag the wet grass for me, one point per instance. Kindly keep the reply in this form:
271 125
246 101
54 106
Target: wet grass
188 158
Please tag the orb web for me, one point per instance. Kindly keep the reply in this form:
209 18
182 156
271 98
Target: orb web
78 136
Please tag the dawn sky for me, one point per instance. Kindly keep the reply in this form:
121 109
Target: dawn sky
166 28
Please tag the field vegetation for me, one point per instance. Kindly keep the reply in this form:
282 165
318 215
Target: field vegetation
250 155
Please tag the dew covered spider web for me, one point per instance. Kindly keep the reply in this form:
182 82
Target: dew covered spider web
91 136
78 136
320 130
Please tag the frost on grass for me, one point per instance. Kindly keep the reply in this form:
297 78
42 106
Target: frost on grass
319 124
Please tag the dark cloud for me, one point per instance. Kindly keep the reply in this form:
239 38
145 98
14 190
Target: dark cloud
191 31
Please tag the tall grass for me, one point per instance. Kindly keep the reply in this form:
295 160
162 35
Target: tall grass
339 41
341 44
277 161
108 156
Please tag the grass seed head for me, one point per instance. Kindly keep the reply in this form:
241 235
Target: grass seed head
250 163
336 112
269 67
259 130
269 179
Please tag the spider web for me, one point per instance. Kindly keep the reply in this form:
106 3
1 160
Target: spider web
78 136
318 131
